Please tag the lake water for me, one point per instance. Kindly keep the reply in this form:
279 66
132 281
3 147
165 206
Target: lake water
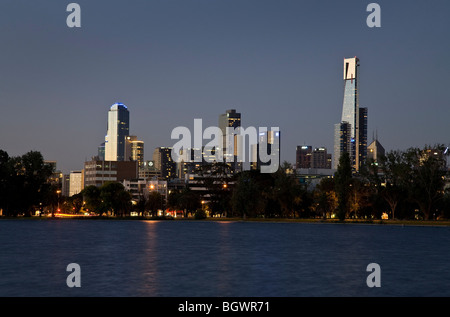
242 259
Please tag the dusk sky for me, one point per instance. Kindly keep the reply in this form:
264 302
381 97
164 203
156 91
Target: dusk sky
279 63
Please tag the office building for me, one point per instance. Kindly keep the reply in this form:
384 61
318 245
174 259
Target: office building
267 151
118 130
375 151
101 152
134 150
230 119
149 171
341 141
362 142
303 155
320 159
98 172
75 183
163 162
65 186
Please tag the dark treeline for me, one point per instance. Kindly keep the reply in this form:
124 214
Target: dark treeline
402 184
23 183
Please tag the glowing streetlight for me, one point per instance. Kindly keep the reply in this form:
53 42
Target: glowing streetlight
58 192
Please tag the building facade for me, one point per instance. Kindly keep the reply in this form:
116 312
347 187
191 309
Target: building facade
118 131
75 183
230 119
375 151
98 172
320 159
162 158
303 155
342 136
134 150
268 157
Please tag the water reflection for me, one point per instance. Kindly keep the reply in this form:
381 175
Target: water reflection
181 258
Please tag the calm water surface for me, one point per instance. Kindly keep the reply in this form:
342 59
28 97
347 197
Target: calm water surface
192 258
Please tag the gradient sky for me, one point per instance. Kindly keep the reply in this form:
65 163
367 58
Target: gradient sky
279 63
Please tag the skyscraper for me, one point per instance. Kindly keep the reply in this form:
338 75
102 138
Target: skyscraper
162 159
341 141
362 152
269 155
230 119
134 150
118 130
303 156
101 152
354 116
320 158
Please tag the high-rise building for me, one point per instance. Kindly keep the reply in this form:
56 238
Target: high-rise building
375 151
162 159
101 152
134 150
118 130
65 188
362 135
341 141
303 156
75 182
271 141
354 116
320 159
230 119
306 158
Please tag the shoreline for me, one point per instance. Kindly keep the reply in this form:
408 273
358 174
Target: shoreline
396 222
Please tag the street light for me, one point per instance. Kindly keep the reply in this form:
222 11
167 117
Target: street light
58 192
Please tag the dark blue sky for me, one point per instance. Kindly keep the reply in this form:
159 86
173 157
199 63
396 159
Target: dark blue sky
279 63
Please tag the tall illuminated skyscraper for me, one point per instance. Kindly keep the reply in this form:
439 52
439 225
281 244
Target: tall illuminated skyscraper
118 130
354 116
230 119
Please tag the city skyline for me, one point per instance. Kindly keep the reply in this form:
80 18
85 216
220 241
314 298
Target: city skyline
279 64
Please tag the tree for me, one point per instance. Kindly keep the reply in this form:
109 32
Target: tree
343 178
247 199
397 172
92 199
215 177
325 197
75 203
286 190
426 182
4 179
115 198
154 202
24 182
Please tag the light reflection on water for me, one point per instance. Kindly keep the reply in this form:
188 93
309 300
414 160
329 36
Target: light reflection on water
193 258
